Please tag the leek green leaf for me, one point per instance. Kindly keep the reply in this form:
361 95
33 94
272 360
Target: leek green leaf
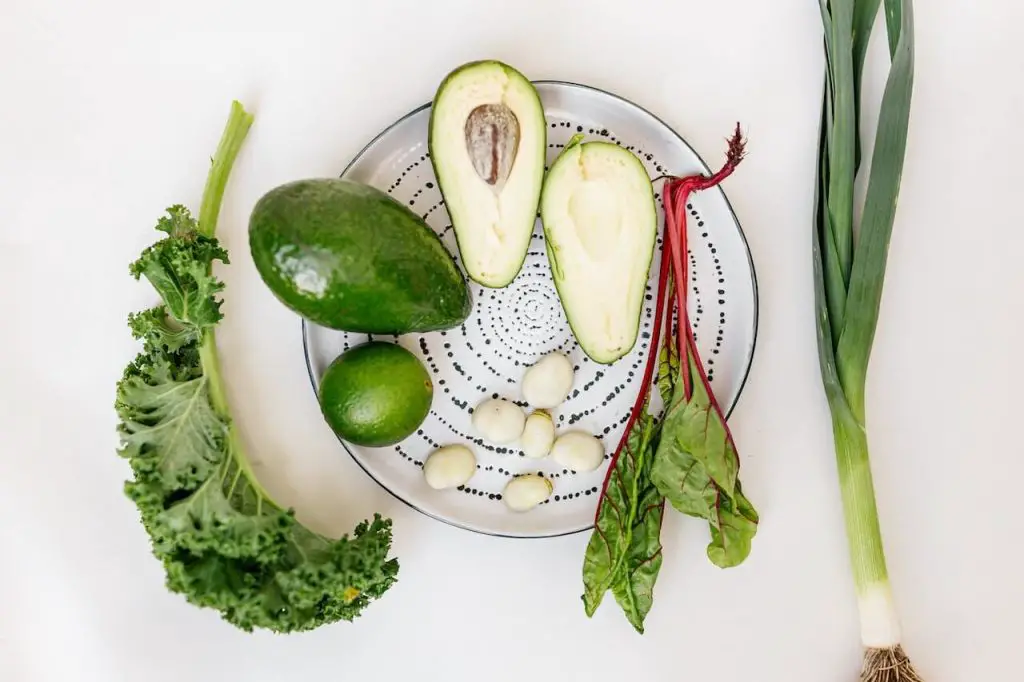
868 273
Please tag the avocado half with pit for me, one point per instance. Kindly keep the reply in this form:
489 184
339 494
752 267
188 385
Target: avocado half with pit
600 227
488 140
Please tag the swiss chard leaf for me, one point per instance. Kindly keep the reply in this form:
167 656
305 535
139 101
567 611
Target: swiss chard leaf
695 426
682 479
634 588
733 526
688 488
668 358
624 552
696 468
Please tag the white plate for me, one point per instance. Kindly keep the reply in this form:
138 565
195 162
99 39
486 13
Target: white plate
511 328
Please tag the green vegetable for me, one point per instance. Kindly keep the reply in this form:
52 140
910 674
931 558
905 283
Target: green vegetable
696 466
849 271
600 225
696 469
223 542
348 256
624 552
375 394
488 142
687 457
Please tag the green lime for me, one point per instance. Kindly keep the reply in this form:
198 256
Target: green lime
375 394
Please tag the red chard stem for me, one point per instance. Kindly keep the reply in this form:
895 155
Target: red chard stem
652 361
678 247
675 194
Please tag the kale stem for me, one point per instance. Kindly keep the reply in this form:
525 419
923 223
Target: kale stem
235 131
219 400
237 127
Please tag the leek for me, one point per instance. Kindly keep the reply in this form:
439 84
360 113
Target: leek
849 270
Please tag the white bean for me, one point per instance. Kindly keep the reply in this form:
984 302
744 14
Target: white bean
547 383
578 451
499 421
449 467
523 493
538 435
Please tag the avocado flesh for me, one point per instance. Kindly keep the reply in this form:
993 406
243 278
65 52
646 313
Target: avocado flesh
600 224
488 141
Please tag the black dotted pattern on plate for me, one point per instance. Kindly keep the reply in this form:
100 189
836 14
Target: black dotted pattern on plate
511 328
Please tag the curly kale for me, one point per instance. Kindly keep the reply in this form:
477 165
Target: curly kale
223 541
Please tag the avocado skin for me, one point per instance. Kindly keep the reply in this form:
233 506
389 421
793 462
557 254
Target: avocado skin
375 394
348 256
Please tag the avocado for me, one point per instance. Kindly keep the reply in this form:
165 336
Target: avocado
600 227
347 256
375 394
488 140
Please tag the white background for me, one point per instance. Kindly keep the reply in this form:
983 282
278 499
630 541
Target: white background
109 112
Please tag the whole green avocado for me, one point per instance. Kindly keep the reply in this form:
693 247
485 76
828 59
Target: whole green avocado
348 256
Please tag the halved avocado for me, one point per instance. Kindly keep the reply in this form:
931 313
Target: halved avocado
488 139
600 225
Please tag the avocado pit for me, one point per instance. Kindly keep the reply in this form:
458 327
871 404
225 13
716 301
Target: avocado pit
492 139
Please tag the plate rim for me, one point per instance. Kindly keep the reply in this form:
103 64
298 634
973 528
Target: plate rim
739 228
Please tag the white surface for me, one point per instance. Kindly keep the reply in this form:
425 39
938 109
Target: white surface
511 327
108 116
